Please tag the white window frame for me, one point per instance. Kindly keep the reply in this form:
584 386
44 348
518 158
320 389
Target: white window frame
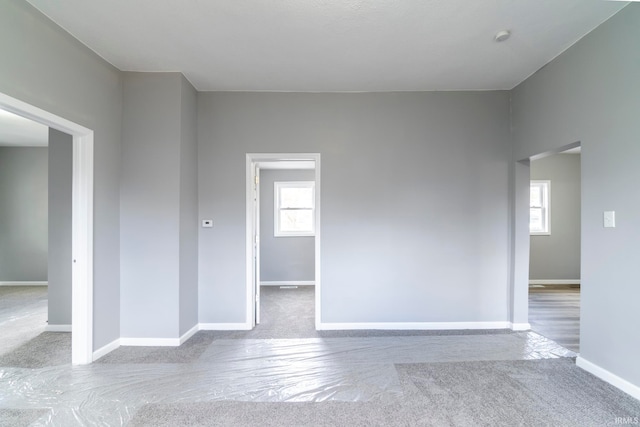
277 232
545 185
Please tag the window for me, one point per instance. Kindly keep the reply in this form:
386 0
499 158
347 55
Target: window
294 209
539 208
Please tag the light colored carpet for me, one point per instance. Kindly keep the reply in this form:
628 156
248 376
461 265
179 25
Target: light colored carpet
552 392
23 315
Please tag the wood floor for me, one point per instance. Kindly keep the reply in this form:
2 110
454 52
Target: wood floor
554 311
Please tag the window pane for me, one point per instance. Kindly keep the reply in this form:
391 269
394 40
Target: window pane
293 197
296 220
536 196
536 219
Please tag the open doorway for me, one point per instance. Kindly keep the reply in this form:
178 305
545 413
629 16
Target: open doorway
283 241
554 254
35 241
82 222
23 232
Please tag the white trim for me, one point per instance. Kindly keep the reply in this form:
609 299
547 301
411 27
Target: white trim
288 283
224 326
57 328
191 332
24 283
414 325
82 223
82 251
150 342
554 282
106 349
520 326
609 377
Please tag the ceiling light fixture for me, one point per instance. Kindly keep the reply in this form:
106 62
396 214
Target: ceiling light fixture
502 35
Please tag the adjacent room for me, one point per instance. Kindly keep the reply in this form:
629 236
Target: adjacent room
322 213
554 268
35 249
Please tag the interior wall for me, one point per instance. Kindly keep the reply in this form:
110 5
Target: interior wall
285 258
414 200
557 256
46 67
590 94
23 214
188 207
60 227
158 231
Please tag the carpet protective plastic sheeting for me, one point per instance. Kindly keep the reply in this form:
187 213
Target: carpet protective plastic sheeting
306 370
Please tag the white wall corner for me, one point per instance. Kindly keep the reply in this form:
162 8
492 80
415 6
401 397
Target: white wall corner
520 326
191 332
224 326
611 378
106 349
57 328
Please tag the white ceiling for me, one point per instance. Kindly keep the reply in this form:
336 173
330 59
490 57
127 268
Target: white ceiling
332 45
16 131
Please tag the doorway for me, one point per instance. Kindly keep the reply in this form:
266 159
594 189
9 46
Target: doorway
82 223
309 163
554 255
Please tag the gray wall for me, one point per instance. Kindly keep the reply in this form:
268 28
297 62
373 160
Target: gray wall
23 214
188 207
157 206
60 211
557 256
46 67
414 200
283 258
591 94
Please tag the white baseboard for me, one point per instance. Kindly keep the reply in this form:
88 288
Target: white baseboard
554 282
520 326
191 332
224 326
175 342
106 349
24 283
150 342
289 283
57 328
609 377
323 326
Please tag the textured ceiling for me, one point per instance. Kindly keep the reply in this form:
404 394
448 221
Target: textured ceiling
331 45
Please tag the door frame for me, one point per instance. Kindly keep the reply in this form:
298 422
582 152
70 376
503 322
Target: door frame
252 159
82 223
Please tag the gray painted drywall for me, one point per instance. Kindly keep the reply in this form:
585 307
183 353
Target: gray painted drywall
188 208
283 259
591 94
557 256
60 211
157 205
414 190
46 67
23 214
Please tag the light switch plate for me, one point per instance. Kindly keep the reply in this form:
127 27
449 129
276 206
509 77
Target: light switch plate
609 219
207 223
